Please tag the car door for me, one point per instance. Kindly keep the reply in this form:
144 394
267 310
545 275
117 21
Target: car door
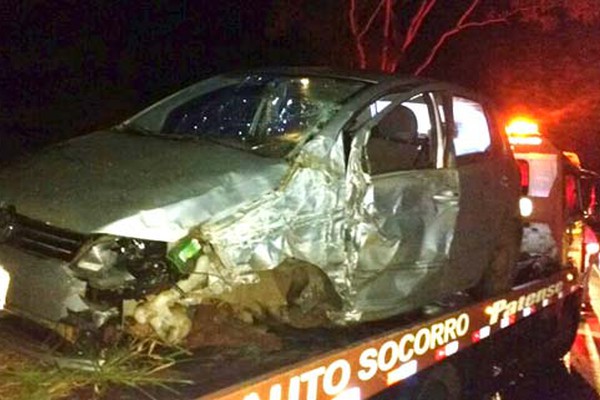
408 204
483 182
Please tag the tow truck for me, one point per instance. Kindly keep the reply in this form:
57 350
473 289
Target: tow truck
450 350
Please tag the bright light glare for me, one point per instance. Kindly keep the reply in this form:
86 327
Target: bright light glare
522 126
525 140
349 394
570 278
526 206
4 284
592 248
305 82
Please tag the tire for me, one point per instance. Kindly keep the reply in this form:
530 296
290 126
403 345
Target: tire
498 277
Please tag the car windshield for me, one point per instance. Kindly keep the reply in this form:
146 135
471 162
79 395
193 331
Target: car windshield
265 114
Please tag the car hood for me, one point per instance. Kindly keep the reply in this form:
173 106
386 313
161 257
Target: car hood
135 185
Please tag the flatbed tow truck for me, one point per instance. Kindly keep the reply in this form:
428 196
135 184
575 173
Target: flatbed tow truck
449 353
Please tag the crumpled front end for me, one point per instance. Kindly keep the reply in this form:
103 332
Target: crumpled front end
280 256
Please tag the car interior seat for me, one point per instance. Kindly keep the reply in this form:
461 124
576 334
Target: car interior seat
394 142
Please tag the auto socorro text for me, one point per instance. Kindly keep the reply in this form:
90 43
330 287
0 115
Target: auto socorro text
337 375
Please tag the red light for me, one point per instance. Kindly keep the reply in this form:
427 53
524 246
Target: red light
522 126
475 337
440 354
570 192
523 131
524 171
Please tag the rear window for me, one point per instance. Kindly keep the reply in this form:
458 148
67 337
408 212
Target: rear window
472 134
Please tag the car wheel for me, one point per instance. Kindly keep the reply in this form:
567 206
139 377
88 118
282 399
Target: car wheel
499 275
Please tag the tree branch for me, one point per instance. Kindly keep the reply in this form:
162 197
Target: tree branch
358 33
372 18
360 50
467 12
453 32
417 22
387 25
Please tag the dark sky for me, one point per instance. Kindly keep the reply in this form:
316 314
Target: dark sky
67 67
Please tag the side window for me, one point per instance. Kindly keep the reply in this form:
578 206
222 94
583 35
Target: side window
472 134
402 137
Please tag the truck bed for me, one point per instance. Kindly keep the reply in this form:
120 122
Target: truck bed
358 361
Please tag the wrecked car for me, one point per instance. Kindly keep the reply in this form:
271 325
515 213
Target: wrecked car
303 196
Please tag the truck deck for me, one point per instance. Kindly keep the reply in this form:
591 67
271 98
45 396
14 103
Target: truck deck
360 361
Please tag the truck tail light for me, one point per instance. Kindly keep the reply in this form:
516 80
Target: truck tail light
524 171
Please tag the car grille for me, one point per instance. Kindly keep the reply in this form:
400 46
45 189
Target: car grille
43 239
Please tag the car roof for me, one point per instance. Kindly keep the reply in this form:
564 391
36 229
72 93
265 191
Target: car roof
371 77
359 75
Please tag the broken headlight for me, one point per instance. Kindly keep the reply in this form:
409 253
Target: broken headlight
130 267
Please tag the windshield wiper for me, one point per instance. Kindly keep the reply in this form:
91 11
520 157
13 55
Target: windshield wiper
134 128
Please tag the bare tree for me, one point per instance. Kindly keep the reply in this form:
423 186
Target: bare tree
401 22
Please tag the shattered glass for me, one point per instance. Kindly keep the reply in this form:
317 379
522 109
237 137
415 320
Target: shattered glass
267 115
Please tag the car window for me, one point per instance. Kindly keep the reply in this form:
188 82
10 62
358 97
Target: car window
266 114
402 138
472 131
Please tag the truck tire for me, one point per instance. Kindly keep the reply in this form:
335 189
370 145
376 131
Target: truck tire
498 277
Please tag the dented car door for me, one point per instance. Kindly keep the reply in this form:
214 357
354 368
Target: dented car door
411 204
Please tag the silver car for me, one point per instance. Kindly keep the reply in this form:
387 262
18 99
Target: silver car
307 195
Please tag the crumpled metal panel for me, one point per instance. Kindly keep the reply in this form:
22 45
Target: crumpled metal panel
303 219
41 288
329 218
400 237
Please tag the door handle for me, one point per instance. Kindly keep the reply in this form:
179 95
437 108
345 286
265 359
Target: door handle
446 196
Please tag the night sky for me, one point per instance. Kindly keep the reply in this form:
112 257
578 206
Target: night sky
68 67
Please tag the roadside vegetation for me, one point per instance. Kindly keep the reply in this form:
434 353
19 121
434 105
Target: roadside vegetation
132 369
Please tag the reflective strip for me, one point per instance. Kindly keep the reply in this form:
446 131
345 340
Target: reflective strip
504 322
560 295
440 354
545 302
481 334
402 372
447 350
527 311
451 348
485 332
349 394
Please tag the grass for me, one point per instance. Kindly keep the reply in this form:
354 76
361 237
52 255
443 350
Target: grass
136 366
